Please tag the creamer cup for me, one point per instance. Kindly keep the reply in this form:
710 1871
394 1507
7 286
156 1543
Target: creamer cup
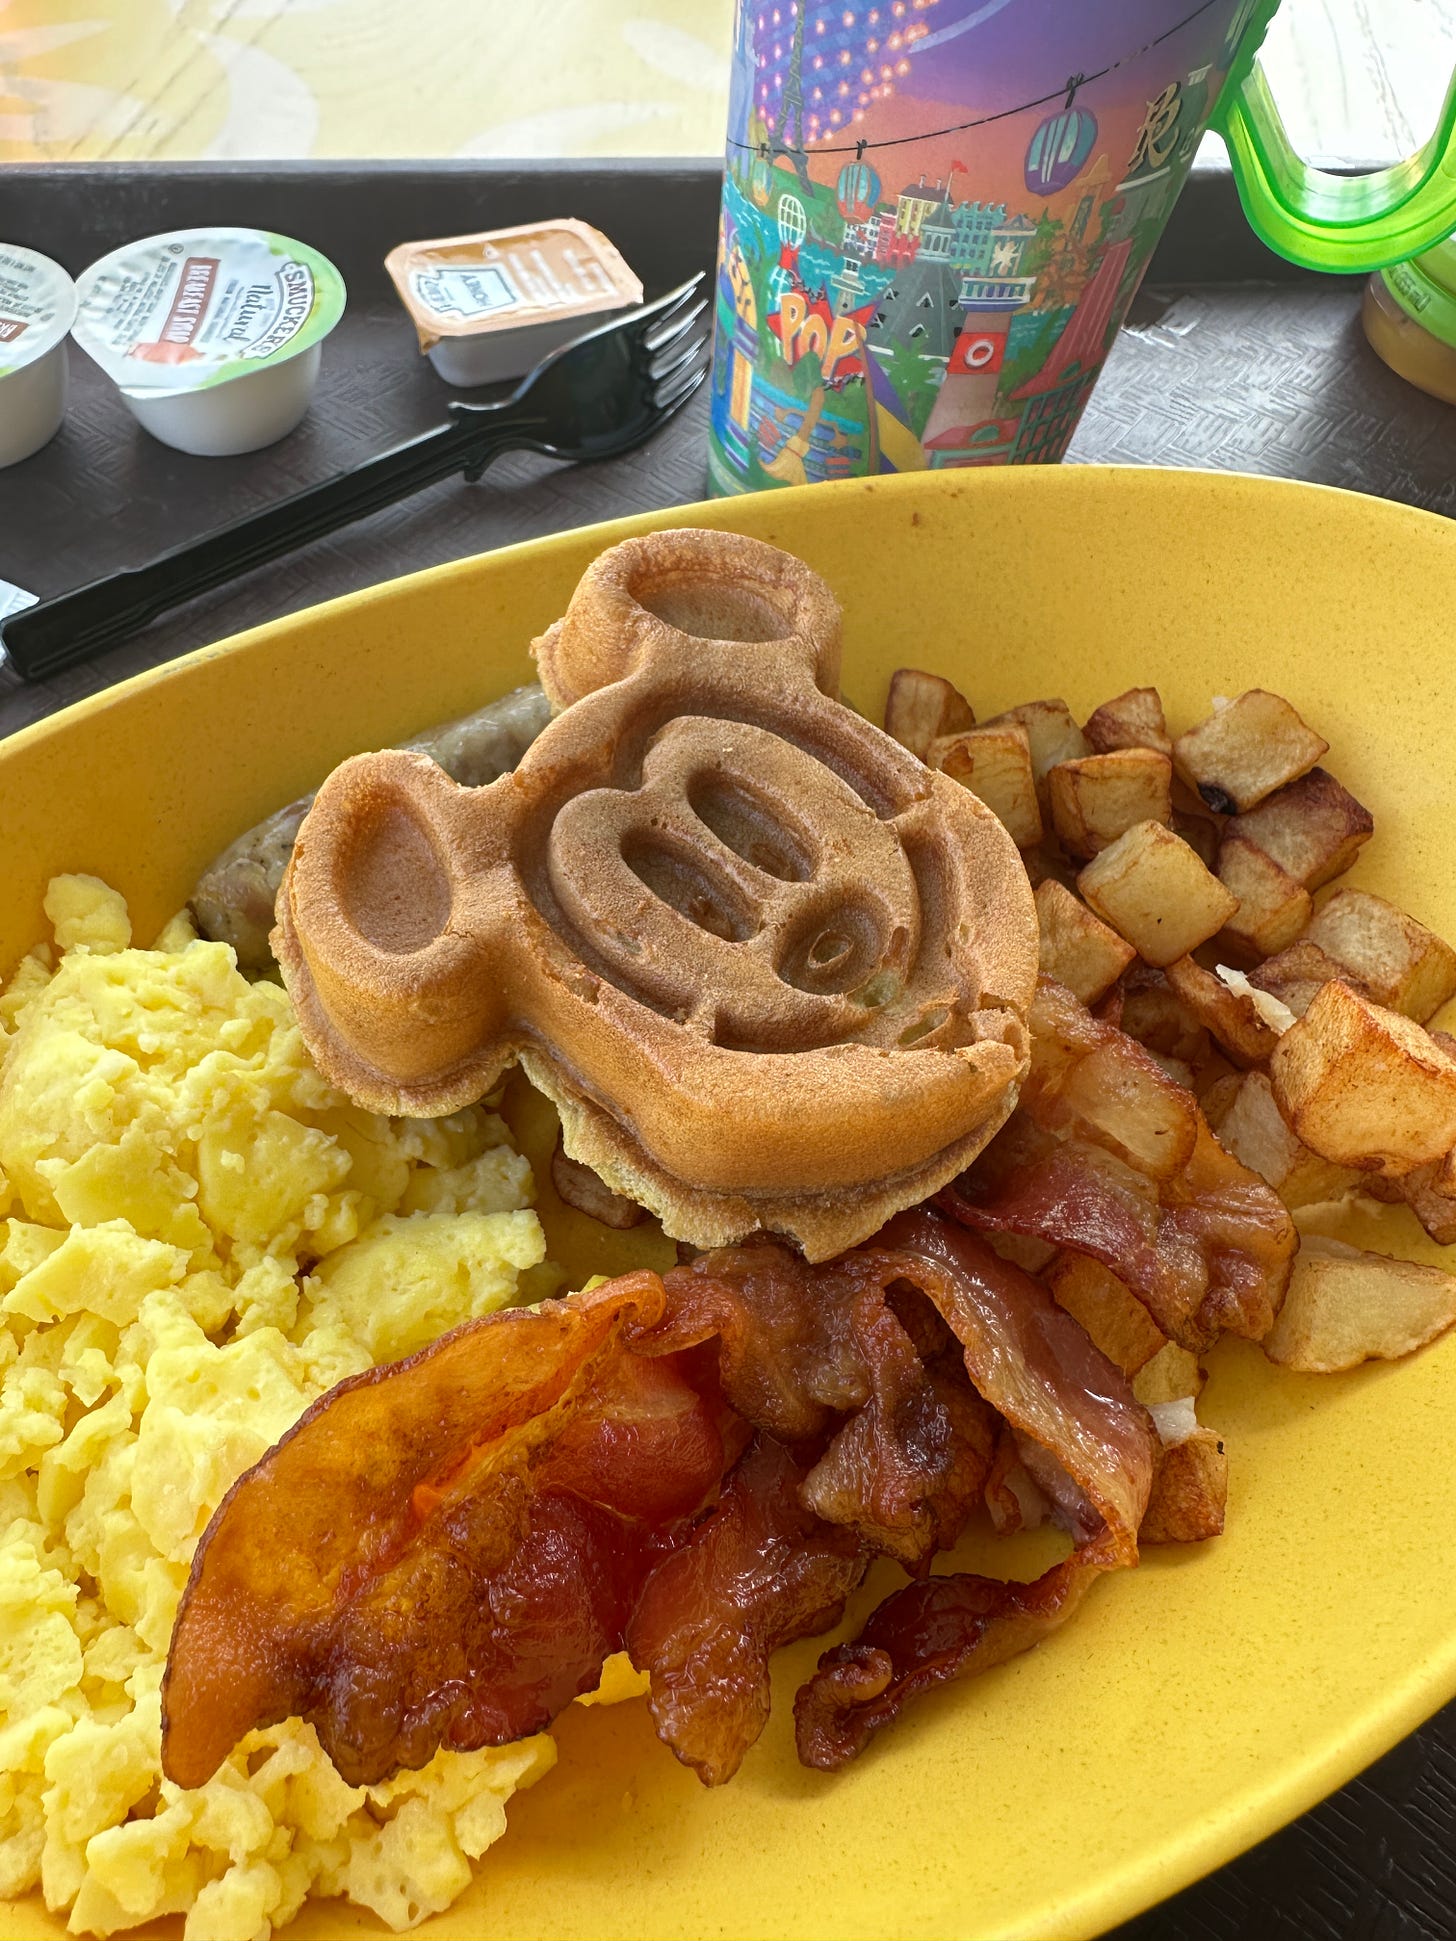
212 336
37 303
492 305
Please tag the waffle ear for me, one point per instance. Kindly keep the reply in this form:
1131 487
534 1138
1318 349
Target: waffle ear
384 934
658 597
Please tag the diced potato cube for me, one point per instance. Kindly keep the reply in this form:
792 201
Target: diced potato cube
1398 961
1231 1016
1054 737
1077 949
923 707
1217 1099
1247 749
1345 1306
1190 1490
1273 907
1095 799
1173 1375
1363 1086
1253 1129
1178 1069
1115 1319
1200 832
1313 828
1154 1014
1131 720
1151 887
995 764
1296 974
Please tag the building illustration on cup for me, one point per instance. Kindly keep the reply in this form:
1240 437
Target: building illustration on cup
928 239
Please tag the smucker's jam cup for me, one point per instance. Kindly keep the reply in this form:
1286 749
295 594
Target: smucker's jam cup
212 336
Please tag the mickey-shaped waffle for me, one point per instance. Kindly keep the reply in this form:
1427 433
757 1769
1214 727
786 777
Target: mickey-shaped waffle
773 972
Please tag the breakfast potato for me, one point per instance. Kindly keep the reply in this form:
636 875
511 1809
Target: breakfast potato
1231 1016
1400 963
1200 832
1345 1306
1154 1014
1115 1319
1078 949
1274 906
923 708
1245 750
1253 1129
1190 1490
1054 737
1131 720
1363 1086
994 762
1313 828
1153 890
1093 800
1173 1375
1295 975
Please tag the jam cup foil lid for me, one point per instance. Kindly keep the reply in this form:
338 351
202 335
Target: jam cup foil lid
505 279
37 304
197 307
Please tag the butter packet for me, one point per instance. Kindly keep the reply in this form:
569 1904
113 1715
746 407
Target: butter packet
491 305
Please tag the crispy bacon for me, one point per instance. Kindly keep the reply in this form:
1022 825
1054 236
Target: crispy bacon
800 1347
922 1636
1088 1443
443 1552
1105 1155
757 1573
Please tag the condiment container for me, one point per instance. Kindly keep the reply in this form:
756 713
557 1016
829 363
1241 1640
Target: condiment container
490 306
37 303
1409 314
211 335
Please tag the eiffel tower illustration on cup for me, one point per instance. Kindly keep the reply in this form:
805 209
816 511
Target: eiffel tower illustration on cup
791 119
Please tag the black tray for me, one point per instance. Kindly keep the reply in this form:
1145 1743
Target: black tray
1232 359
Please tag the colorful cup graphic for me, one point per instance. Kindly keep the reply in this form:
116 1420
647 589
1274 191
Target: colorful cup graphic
936 213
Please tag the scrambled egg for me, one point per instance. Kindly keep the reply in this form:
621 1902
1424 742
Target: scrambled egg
198 1236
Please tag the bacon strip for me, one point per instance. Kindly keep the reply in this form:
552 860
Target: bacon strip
1095 1447
800 1348
760 1571
923 1636
1105 1155
443 1552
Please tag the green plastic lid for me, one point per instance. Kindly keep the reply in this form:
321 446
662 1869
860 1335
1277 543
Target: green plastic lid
1425 288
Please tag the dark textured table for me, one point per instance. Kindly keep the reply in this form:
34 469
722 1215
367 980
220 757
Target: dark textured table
1261 370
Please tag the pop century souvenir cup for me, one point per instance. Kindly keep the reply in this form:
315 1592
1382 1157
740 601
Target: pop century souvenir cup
936 212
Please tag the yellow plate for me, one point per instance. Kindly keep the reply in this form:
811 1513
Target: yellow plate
1194 1705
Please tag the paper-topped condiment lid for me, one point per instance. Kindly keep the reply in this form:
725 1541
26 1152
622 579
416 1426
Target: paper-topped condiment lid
197 307
37 303
504 279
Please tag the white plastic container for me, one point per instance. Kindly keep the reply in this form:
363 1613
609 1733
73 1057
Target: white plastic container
37 303
212 336
491 306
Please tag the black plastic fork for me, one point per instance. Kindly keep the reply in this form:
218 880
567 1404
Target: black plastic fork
593 399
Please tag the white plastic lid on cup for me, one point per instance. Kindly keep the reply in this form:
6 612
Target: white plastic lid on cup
37 303
212 336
